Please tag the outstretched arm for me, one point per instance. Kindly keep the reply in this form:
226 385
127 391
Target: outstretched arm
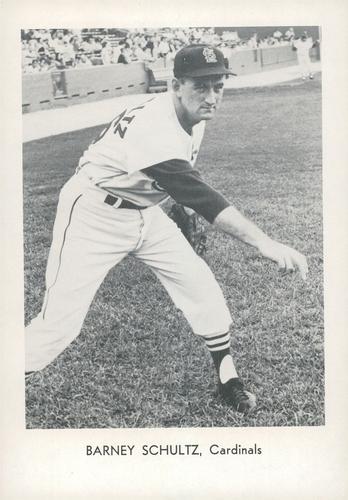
187 187
231 221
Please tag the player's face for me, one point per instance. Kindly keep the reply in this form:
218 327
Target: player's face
200 97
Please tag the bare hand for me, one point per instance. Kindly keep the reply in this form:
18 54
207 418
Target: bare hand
287 258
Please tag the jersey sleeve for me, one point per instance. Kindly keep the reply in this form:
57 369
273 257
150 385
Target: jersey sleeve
186 186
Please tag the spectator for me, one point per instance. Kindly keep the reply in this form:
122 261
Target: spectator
123 57
289 35
171 54
67 53
128 51
138 45
252 43
138 53
106 53
27 54
277 34
59 62
97 45
148 55
88 45
163 48
34 67
57 41
116 51
45 36
75 41
82 61
44 65
150 45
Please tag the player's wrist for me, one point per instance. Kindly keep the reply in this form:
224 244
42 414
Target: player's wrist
263 243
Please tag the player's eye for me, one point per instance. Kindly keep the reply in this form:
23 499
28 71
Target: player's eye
218 87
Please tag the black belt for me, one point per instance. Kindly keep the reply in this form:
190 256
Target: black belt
120 203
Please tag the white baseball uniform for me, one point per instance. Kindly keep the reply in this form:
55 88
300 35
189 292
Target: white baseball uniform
303 47
110 209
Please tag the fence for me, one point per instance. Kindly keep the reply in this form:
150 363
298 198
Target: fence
66 87
243 62
63 88
246 62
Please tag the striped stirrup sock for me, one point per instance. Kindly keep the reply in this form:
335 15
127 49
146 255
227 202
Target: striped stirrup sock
218 342
219 348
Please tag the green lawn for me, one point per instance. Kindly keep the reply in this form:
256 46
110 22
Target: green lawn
136 363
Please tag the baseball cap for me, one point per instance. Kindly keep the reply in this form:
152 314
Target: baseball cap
200 60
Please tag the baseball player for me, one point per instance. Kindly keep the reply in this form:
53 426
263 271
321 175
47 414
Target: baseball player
110 208
303 46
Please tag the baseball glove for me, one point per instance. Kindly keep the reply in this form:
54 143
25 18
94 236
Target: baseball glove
192 227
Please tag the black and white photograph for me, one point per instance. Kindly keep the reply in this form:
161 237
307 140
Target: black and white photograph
173 227
173 257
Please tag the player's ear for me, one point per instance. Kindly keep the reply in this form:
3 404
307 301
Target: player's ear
176 84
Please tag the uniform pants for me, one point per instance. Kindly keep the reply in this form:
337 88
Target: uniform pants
89 238
304 62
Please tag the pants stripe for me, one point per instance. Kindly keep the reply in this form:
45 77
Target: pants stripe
60 254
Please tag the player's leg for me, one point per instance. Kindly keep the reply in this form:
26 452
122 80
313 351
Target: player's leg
195 291
308 64
304 62
230 385
85 246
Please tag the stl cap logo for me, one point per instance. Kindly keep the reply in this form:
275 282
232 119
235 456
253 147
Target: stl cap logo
209 54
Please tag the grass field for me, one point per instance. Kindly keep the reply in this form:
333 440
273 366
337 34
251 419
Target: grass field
136 363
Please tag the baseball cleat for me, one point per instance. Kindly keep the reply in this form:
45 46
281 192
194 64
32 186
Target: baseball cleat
234 394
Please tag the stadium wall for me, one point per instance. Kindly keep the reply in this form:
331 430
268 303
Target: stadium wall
247 62
76 86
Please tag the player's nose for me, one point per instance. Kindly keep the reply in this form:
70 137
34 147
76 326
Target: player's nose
210 97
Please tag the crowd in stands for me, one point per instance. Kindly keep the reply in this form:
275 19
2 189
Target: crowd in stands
57 49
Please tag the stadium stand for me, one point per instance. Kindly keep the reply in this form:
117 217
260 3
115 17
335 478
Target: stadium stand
52 49
59 66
